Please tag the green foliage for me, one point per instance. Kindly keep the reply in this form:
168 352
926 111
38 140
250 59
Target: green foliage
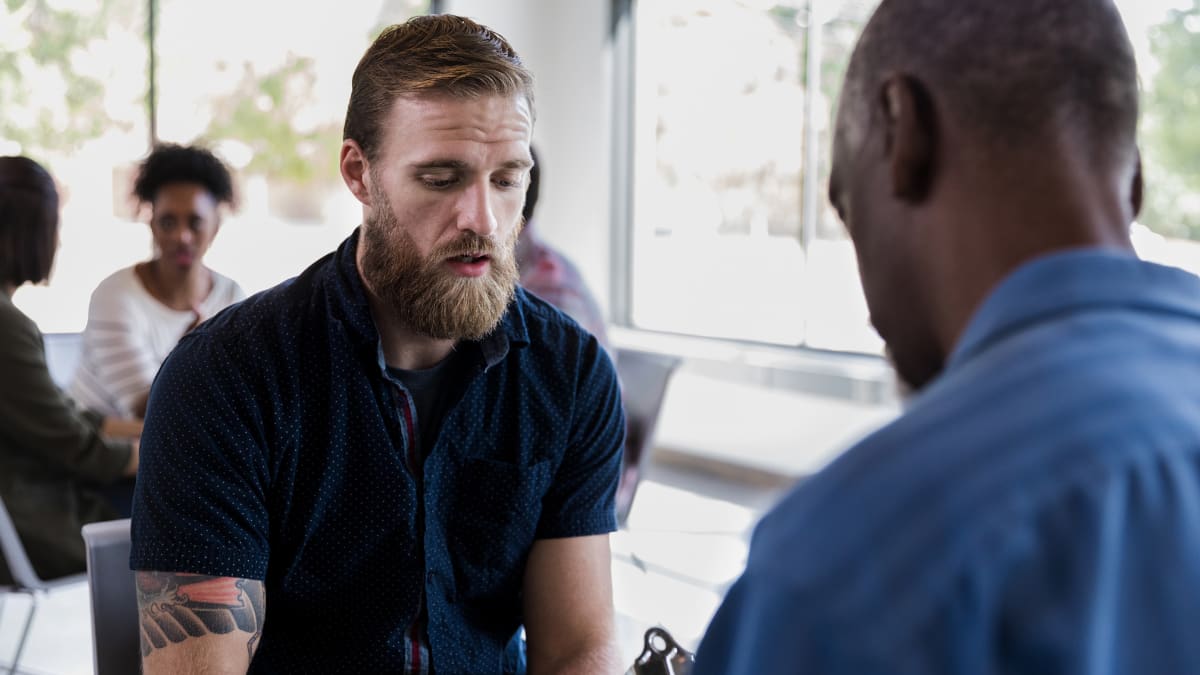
396 11
53 38
1171 127
260 112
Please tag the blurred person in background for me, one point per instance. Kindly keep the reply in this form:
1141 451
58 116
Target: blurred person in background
1036 509
137 315
548 274
60 466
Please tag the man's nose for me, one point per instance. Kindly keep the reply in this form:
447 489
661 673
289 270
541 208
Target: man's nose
475 210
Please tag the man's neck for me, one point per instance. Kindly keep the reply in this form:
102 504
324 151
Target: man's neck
404 348
1050 208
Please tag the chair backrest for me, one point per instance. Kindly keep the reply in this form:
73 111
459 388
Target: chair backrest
644 378
15 556
115 629
63 351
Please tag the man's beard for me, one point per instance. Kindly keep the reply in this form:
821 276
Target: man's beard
425 296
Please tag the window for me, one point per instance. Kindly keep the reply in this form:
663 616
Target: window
1166 36
73 82
267 91
732 236
271 102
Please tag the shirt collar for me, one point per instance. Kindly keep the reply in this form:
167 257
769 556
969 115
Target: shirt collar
351 297
1051 285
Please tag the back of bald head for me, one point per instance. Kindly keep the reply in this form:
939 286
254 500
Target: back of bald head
1014 73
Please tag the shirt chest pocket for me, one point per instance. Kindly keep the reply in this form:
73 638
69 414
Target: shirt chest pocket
493 523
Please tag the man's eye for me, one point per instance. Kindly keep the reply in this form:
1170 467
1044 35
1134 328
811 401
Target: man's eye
438 182
508 182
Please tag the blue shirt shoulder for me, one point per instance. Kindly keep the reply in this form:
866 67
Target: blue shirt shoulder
1033 511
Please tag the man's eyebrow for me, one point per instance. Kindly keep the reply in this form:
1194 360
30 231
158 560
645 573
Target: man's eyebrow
440 164
460 165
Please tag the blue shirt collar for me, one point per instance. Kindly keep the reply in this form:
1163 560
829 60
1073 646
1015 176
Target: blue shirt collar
351 298
1071 280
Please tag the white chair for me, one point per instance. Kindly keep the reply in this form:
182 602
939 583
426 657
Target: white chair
115 629
63 351
25 579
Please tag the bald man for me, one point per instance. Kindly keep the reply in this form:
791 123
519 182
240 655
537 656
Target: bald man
1037 507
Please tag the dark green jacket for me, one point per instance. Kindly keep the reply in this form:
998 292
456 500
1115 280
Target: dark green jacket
52 456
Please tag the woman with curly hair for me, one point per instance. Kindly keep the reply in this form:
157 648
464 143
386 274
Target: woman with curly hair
138 314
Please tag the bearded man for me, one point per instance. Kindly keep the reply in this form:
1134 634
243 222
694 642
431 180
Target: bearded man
397 460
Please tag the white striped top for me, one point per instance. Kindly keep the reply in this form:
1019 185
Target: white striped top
129 333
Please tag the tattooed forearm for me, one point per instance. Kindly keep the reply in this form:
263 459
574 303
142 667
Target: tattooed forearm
176 606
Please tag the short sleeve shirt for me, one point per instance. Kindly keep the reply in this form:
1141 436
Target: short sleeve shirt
274 450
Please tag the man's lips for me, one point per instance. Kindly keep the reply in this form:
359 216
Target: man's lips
469 256
469 264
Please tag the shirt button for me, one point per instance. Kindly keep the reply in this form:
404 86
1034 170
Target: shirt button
429 578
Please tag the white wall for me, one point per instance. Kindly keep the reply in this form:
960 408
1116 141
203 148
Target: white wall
565 44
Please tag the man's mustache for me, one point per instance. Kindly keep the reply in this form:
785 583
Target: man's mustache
470 243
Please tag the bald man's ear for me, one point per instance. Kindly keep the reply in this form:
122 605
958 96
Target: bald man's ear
355 169
910 133
1135 191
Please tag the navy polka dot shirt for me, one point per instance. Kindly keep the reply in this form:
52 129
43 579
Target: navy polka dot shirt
275 449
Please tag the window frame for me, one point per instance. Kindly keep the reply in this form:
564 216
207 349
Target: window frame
852 375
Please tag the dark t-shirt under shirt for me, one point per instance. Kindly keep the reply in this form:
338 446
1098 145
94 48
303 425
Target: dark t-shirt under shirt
433 391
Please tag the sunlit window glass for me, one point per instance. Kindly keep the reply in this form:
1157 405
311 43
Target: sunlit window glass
720 245
733 238
73 88
268 93
1166 37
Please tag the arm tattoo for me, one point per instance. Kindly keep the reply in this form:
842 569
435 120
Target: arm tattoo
176 606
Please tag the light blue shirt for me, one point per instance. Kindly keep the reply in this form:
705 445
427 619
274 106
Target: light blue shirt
1036 510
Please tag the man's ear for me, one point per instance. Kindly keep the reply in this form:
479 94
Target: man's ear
354 167
910 136
1136 190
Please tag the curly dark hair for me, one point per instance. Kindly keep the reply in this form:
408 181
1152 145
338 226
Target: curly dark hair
171 163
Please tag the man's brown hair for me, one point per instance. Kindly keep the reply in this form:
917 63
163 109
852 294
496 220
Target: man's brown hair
436 54
28 221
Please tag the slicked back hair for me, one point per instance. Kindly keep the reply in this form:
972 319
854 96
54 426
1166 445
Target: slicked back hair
436 54
1017 71
28 221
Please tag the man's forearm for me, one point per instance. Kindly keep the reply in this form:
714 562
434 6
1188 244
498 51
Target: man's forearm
121 427
600 659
